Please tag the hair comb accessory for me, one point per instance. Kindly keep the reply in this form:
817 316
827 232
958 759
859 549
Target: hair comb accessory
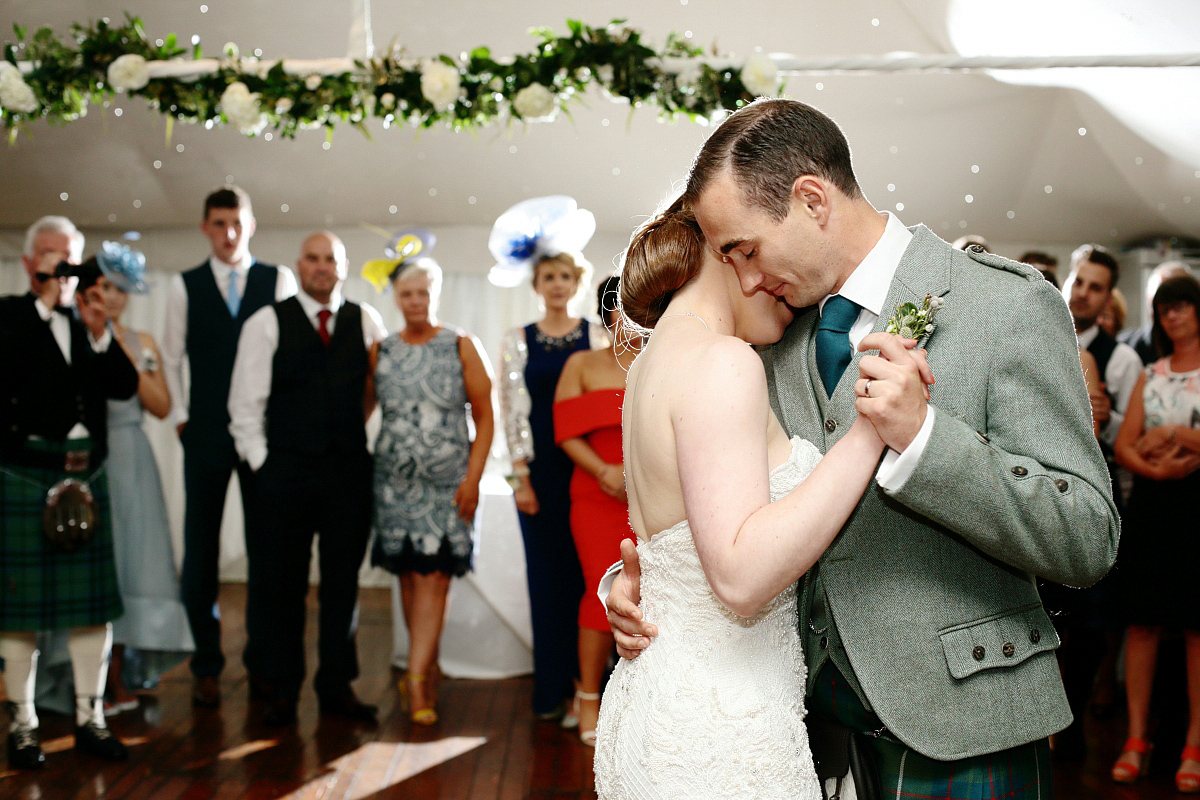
404 247
535 229
125 267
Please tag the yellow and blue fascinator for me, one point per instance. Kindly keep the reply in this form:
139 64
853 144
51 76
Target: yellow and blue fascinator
404 247
123 266
535 229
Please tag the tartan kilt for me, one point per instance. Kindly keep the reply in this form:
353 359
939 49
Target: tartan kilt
1019 773
41 588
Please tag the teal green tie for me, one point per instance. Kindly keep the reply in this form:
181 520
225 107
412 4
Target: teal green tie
833 340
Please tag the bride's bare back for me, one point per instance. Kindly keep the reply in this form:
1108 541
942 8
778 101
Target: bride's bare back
686 376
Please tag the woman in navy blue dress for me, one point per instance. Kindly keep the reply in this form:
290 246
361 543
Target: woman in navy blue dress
532 359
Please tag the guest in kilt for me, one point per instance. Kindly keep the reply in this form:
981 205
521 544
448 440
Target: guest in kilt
57 372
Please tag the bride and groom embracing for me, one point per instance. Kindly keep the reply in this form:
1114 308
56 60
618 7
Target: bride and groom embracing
887 585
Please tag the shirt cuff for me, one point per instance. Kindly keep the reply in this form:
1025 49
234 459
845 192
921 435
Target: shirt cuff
896 467
607 581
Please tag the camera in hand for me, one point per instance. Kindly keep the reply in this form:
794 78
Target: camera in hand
63 269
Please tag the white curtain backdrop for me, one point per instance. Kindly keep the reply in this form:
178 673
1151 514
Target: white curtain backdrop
488 631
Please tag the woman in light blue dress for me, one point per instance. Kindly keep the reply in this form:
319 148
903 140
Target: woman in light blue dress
153 635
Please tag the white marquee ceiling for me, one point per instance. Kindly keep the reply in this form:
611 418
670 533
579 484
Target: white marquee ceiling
927 141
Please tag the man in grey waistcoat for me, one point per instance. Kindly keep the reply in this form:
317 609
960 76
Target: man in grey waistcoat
922 627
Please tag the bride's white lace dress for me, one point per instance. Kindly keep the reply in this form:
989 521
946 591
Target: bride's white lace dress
714 707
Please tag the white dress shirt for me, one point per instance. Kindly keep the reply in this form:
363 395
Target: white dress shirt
251 384
868 287
1120 376
60 326
174 341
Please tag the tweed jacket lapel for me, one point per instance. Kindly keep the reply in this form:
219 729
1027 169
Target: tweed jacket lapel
924 269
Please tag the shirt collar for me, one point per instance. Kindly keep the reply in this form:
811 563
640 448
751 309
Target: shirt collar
220 267
44 311
1087 337
312 307
870 281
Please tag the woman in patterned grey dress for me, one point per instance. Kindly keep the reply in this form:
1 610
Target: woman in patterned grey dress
427 467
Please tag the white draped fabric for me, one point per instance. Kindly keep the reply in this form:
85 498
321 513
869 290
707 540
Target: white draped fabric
488 632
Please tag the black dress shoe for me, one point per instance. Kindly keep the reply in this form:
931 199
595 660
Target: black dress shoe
206 693
346 705
280 712
100 742
25 749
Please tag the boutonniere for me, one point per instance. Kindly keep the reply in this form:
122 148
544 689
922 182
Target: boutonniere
915 322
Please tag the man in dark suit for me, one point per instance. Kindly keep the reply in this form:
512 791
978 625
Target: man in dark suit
297 405
57 569
206 307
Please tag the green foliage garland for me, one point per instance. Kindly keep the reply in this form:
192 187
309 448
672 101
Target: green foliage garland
68 76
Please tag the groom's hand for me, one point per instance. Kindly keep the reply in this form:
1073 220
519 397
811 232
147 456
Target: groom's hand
894 390
624 617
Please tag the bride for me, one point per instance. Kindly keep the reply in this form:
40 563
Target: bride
729 514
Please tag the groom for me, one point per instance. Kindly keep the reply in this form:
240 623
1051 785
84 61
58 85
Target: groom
921 624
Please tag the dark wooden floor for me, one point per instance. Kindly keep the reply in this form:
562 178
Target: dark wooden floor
487 744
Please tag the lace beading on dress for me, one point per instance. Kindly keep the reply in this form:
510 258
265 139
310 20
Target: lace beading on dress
715 706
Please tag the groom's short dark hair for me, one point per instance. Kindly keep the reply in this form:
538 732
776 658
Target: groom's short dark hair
768 145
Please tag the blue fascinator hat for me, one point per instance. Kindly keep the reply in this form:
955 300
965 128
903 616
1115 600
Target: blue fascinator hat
403 248
123 266
535 229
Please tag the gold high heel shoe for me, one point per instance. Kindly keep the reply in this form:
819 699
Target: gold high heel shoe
421 716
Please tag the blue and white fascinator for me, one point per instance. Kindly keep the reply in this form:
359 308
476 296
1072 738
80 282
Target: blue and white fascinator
123 266
403 248
535 229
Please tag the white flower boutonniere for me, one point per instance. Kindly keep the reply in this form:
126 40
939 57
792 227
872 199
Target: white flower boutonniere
915 322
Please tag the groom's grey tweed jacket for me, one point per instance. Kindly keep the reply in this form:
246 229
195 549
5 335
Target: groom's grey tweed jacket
931 588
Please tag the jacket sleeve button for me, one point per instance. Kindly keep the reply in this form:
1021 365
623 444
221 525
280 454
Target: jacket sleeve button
1019 471
978 653
1035 635
1062 485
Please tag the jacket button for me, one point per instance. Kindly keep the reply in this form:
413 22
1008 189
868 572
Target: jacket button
978 653
981 436
1008 649
1035 635
1062 485
824 642
1019 471
830 426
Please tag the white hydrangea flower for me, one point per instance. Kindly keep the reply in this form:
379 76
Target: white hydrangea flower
284 105
388 100
535 102
440 83
241 108
15 94
604 74
496 84
760 75
128 73
312 82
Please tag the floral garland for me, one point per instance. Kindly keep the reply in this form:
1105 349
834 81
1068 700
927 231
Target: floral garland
60 79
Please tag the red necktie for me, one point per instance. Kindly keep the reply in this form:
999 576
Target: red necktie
323 331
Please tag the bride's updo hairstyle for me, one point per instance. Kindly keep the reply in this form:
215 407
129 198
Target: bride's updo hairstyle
663 255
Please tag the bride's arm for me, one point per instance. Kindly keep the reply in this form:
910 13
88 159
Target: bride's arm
752 549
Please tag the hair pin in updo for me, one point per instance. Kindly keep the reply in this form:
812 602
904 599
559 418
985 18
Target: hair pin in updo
534 229
404 247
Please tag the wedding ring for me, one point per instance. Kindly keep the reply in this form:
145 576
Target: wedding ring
867 388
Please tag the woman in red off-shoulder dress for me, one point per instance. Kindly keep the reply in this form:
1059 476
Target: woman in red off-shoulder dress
587 425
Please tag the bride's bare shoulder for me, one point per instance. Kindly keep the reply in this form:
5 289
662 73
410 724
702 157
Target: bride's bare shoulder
708 362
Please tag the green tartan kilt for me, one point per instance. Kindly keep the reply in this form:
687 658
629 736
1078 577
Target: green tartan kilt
1019 773
41 588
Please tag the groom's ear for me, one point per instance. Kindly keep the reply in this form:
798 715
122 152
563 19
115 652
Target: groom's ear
811 198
